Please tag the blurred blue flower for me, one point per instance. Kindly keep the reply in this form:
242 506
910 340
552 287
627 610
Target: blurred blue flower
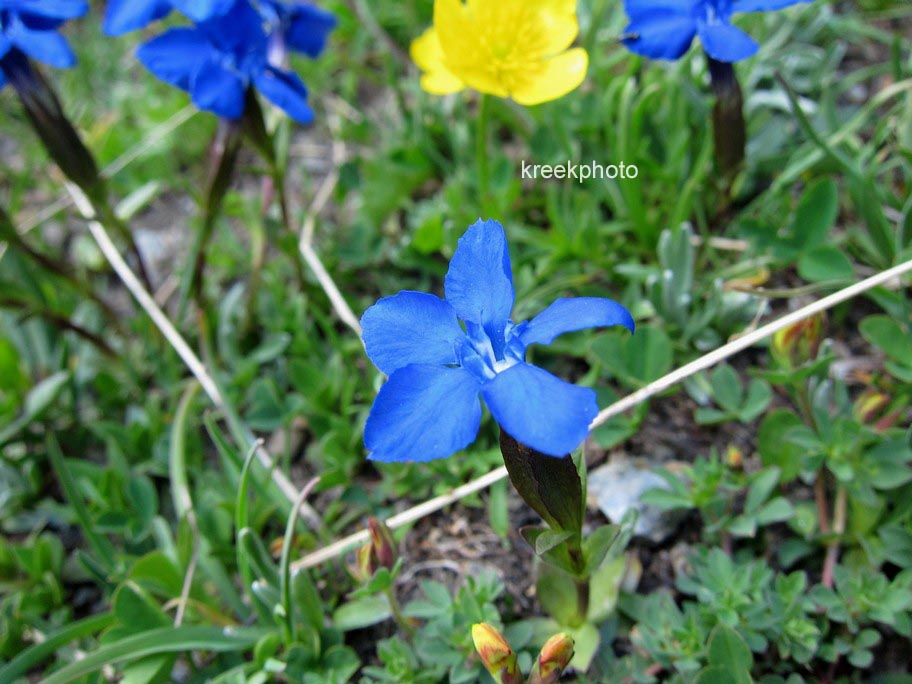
29 27
123 16
664 29
217 60
429 407
296 26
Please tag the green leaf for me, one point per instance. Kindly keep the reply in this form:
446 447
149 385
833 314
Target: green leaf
136 610
166 640
635 360
548 540
362 612
825 263
759 395
158 573
816 213
597 545
605 586
762 485
557 593
34 655
774 447
498 512
37 402
779 509
728 650
586 641
887 334
149 670
720 675
727 389
258 556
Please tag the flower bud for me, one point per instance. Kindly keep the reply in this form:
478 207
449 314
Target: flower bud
555 655
734 458
383 544
379 552
799 342
496 654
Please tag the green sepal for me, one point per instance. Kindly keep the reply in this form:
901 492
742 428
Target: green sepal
550 485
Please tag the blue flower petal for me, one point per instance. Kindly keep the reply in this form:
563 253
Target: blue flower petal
175 56
5 45
219 90
540 410
308 29
123 16
45 46
2 77
286 91
724 42
567 315
423 413
634 8
201 10
50 9
661 33
239 32
410 328
479 283
762 5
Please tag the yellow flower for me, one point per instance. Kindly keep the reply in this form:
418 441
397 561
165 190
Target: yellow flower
508 48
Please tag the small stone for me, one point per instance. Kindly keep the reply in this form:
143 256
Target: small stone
617 487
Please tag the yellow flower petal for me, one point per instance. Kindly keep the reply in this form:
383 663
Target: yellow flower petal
560 25
428 54
558 77
456 33
502 47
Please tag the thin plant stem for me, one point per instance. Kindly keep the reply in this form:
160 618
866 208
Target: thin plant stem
820 499
481 150
404 623
59 321
839 523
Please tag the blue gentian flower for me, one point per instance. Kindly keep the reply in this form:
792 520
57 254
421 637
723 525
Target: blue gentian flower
29 27
217 60
664 29
123 16
429 407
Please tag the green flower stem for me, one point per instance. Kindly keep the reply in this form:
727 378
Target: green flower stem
481 151
580 583
278 176
405 624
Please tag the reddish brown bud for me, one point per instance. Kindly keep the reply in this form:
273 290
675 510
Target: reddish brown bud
383 543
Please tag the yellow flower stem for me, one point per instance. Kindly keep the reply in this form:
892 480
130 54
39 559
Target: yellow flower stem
481 151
